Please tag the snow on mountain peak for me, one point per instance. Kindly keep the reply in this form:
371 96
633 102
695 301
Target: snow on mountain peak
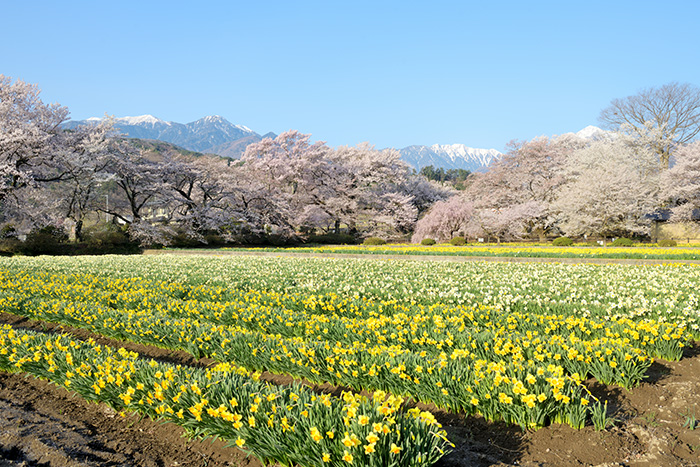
218 119
244 128
214 118
461 151
201 135
221 124
141 120
449 156
590 132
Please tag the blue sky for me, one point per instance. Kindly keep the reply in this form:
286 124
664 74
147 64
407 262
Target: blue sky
393 73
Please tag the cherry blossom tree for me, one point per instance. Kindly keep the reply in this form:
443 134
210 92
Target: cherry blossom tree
447 219
528 175
260 209
374 192
680 185
291 173
311 186
28 133
394 214
140 182
425 193
50 174
79 169
612 185
196 194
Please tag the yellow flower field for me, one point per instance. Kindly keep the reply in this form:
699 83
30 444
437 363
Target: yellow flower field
508 341
507 250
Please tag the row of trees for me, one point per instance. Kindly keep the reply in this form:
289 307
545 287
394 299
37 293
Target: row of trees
607 186
282 188
288 188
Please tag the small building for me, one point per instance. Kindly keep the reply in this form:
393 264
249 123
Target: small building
662 228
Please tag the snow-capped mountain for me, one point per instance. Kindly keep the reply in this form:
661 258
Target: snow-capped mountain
449 156
204 134
216 135
143 120
460 156
590 133
201 135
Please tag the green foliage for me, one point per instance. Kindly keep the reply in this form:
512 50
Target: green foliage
279 240
691 422
456 177
182 240
247 238
104 234
99 239
160 147
8 231
458 241
622 242
10 246
428 242
599 416
105 238
9 243
576 415
562 241
213 239
48 240
667 242
333 239
374 241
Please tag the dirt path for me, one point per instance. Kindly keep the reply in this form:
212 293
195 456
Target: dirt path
44 425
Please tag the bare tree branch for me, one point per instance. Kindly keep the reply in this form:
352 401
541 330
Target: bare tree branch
672 108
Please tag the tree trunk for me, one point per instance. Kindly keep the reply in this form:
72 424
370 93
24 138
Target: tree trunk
79 230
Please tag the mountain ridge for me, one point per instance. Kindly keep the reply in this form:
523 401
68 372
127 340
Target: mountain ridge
200 135
449 156
214 134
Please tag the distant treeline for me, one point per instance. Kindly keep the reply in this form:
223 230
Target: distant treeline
455 177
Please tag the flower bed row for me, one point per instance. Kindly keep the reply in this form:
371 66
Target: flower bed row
290 425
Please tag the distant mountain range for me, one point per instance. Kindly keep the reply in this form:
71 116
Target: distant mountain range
212 134
460 156
216 135
449 156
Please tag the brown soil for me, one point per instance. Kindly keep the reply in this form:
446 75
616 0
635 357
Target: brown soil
44 425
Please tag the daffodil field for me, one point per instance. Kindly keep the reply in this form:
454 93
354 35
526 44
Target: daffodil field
689 252
291 425
507 341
